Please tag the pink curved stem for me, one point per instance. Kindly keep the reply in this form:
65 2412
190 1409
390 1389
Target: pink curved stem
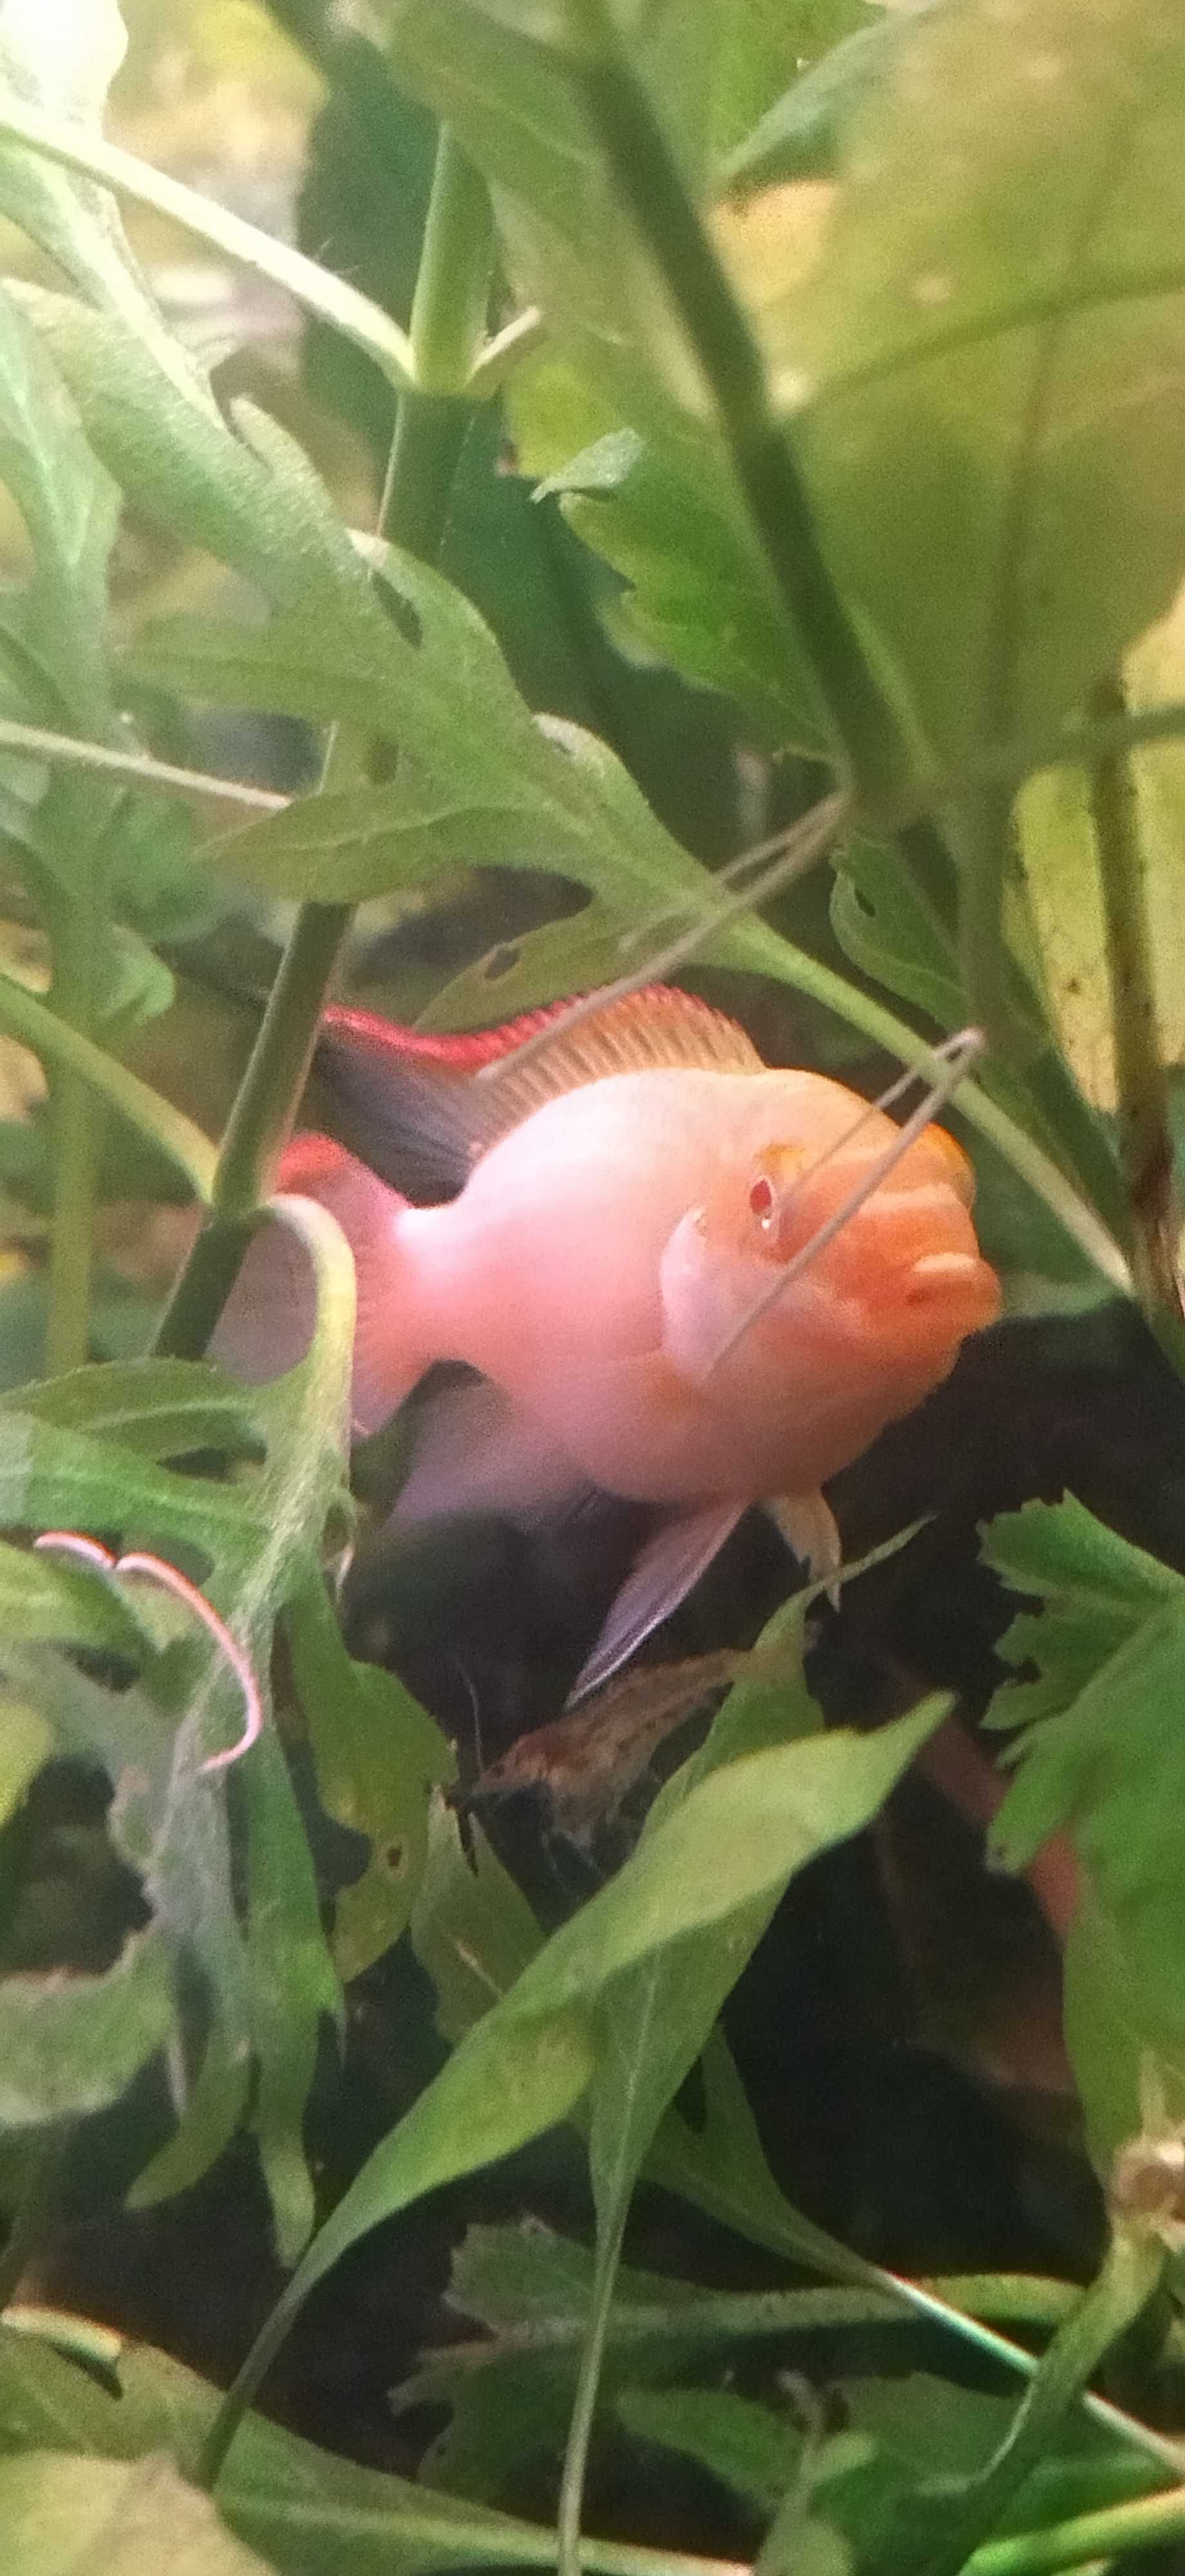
156 1569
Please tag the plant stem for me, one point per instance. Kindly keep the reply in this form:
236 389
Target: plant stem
448 318
76 1118
23 1015
316 288
67 751
959 2515
452 294
1090 2539
730 362
1140 1078
569 2538
76 1130
29 2217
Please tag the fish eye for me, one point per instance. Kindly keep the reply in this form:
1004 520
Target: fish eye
763 1199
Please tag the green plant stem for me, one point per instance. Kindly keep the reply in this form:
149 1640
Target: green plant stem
316 288
1089 2540
448 318
730 362
23 1015
77 1132
1132 2269
66 751
28 2221
569 2538
1141 1081
75 924
452 292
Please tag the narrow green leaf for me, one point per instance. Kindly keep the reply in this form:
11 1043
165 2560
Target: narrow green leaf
736 1836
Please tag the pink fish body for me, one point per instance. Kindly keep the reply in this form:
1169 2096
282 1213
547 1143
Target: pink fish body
632 1191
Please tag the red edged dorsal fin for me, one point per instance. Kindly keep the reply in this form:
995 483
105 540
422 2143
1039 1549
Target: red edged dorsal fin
418 1114
657 1029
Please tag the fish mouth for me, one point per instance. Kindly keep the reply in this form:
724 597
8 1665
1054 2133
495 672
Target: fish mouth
960 1285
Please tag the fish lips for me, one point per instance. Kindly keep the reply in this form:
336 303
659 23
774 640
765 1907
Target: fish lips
948 1294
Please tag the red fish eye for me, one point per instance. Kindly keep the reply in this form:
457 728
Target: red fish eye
762 1197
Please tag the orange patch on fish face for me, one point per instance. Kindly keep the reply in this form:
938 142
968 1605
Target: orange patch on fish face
902 1273
908 1257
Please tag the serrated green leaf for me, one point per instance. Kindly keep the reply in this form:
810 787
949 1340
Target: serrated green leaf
293 1987
885 924
694 597
168 445
377 1756
1098 1760
71 2044
160 1408
532 2292
570 956
511 101
269 1975
573 250
477 779
744 2444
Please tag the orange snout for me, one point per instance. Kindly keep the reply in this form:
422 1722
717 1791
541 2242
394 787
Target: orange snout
907 1254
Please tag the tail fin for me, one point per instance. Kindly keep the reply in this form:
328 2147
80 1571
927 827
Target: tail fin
267 1323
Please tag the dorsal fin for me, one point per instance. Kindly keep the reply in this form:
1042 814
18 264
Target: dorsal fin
656 1029
421 1109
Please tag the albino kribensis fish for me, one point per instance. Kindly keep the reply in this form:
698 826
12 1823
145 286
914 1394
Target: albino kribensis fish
607 1220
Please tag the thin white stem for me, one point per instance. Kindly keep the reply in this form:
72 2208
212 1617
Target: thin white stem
316 288
65 751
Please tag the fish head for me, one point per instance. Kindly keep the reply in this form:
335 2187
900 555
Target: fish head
903 1265
816 1254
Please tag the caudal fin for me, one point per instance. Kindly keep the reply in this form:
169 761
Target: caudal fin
267 1323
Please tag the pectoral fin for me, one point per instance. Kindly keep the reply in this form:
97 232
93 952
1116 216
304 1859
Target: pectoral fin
477 1451
807 1524
670 1563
